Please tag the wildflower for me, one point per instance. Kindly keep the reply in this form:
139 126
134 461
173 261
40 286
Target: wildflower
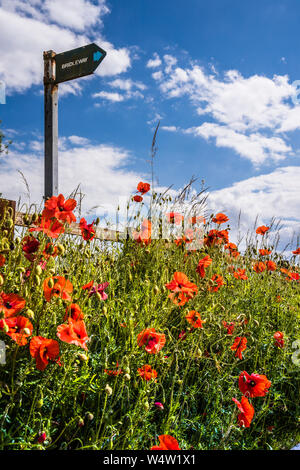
194 318
147 373
61 288
216 237
259 267
87 230
159 405
137 198
18 328
296 252
50 250
182 334
52 228
11 304
229 326
182 288
144 235
174 218
98 288
73 311
30 245
42 437
279 341
166 442
216 282
246 411
114 372
265 252
262 230
239 346
2 260
271 266
220 218
143 188
73 333
57 207
240 274
253 385
108 390
152 340
43 349
203 263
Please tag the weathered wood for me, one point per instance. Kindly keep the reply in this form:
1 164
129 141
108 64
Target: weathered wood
74 229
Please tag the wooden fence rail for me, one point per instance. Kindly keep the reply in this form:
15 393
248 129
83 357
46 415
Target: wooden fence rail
73 229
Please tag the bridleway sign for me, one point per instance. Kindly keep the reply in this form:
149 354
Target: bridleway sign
59 68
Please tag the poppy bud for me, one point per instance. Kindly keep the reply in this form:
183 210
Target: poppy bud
1 280
26 331
17 240
108 390
5 233
156 289
5 327
9 223
127 377
37 280
97 222
126 370
90 416
34 218
180 382
83 357
30 314
26 219
146 405
60 249
52 271
51 283
42 437
40 403
38 270
98 296
80 422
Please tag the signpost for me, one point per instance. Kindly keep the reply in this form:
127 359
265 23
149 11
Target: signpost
60 68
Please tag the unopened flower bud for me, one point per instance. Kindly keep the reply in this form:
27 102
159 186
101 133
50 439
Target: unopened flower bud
30 314
80 422
146 405
90 416
50 283
1 280
156 290
83 357
127 377
60 249
26 331
5 327
38 270
40 403
37 280
108 390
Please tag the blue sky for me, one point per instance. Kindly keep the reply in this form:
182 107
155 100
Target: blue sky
218 75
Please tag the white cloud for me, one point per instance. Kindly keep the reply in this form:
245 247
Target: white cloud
275 194
100 169
127 84
106 95
157 75
21 60
155 62
249 115
169 128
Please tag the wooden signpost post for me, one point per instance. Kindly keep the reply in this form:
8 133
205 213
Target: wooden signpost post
60 68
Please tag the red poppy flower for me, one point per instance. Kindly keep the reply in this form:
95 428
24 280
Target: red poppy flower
19 329
144 235
57 207
194 318
52 228
73 333
88 286
174 218
253 385
73 311
50 250
271 266
30 245
216 282
147 373
262 230
239 345
259 267
11 304
182 289
166 442
220 218
43 349
114 372
62 288
296 252
229 326
152 340
137 198
143 188
197 220
246 412
279 341
264 252
2 260
216 237
88 231
240 274
203 263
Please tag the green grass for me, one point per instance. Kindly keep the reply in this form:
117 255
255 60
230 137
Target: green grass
196 376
